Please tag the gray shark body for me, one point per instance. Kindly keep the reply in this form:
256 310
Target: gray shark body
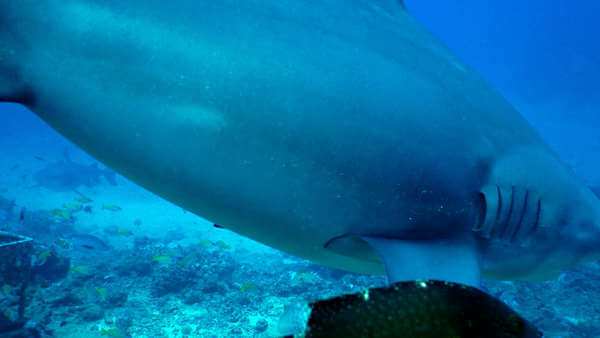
338 131
66 175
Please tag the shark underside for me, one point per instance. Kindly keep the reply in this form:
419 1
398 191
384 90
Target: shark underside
339 131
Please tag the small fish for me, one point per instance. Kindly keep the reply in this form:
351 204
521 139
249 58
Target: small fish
417 309
222 245
8 314
113 332
187 259
101 293
164 259
123 232
82 269
63 243
7 289
44 254
22 215
72 207
111 207
61 213
83 199
87 241
306 276
14 167
39 158
205 243
248 287
218 226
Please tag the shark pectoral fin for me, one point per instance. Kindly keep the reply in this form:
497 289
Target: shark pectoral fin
354 246
454 260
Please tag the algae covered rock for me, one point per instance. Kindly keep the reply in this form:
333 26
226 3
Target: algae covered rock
92 313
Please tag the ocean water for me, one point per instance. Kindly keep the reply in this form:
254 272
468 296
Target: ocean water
113 259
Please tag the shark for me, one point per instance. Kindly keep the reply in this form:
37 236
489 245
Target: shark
342 132
67 175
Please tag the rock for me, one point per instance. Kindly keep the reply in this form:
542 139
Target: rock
174 280
141 242
92 313
124 323
215 288
261 325
244 300
186 329
53 269
116 299
192 297
67 300
291 321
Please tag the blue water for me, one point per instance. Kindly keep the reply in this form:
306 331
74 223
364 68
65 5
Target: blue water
541 55
168 273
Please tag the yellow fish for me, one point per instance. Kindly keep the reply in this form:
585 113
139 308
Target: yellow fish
44 254
62 243
223 245
6 289
83 199
72 207
61 213
187 259
124 232
162 259
248 287
112 332
205 242
111 207
7 313
84 270
101 292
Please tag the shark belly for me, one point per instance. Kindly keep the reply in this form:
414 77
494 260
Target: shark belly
301 136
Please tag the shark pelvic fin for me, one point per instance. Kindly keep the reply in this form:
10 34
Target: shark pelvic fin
452 259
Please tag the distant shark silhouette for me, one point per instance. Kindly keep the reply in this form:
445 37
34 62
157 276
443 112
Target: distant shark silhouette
66 175
338 131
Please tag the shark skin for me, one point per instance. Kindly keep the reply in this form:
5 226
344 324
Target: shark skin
338 131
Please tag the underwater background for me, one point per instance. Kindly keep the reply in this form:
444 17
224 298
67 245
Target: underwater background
111 259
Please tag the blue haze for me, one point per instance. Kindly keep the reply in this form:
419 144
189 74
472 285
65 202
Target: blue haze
544 56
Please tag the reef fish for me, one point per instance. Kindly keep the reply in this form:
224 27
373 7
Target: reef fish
417 309
87 241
